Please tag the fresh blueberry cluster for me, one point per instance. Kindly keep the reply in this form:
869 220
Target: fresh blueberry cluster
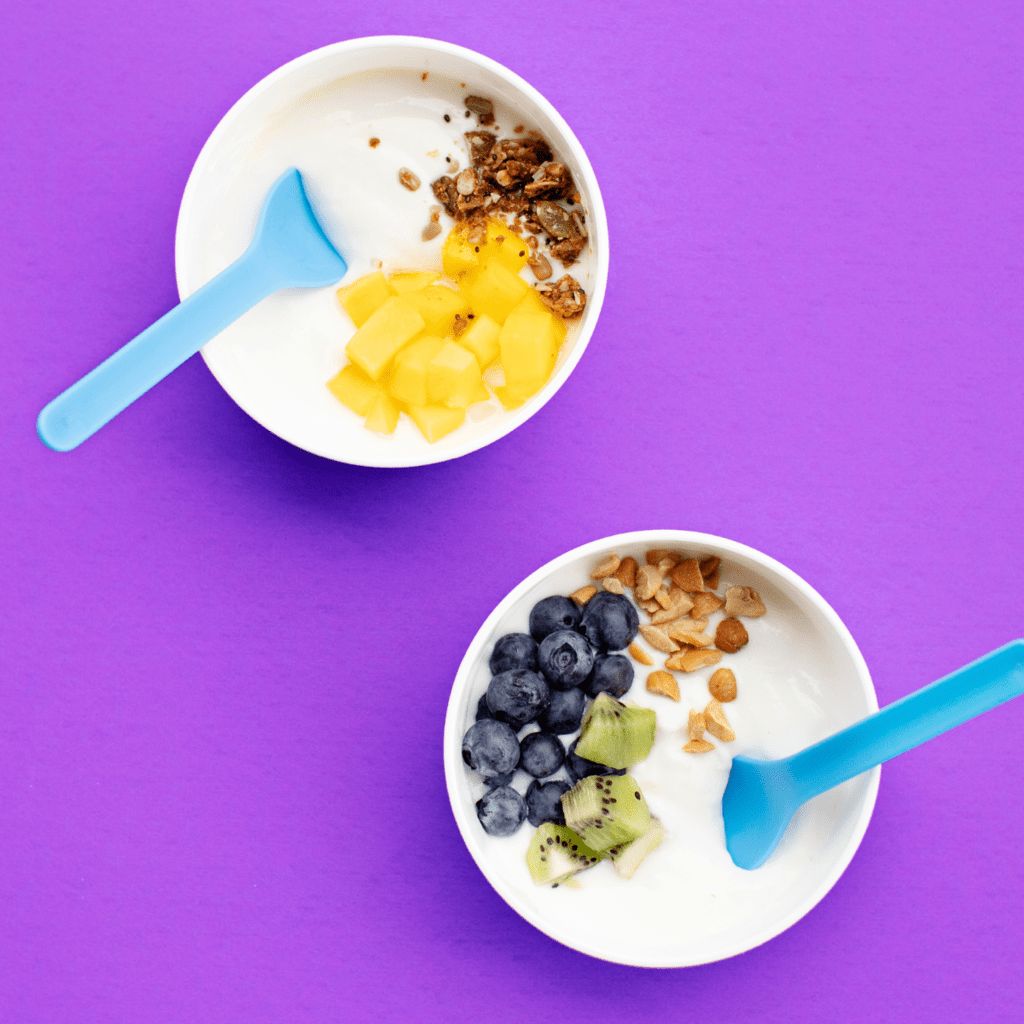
546 676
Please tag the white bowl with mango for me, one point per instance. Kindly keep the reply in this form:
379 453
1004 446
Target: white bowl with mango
444 334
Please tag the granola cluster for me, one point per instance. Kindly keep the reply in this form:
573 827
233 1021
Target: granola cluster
518 177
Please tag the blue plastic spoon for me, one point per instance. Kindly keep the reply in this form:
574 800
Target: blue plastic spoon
762 796
289 250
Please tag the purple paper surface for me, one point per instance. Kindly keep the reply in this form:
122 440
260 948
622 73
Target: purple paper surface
225 662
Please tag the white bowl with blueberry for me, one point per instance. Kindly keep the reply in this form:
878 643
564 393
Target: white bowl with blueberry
621 853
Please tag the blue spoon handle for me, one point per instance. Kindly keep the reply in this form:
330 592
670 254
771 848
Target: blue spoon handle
131 371
909 722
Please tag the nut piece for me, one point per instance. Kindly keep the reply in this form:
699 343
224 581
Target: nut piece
408 179
711 582
638 652
690 637
626 573
692 660
716 723
583 595
540 266
731 635
705 604
698 747
606 567
744 601
663 683
612 585
658 639
686 575
432 230
648 580
679 604
651 607
723 685
466 182
661 596
709 565
695 725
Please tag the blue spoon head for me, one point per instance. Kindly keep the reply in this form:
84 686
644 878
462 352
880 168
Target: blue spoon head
757 808
289 238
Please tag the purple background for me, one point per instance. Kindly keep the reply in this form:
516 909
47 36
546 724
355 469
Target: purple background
226 662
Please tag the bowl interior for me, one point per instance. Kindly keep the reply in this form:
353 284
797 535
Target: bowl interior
318 113
800 678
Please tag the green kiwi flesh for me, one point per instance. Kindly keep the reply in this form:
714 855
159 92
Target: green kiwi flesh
606 810
616 735
628 856
556 853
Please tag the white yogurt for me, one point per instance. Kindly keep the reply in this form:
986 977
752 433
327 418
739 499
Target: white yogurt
291 344
688 902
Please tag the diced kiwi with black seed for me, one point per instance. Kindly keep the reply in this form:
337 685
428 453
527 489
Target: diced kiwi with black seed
606 810
556 853
627 856
615 734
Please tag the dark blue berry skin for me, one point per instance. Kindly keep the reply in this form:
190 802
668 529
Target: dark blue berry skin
613 674
516 650
482 710
577 767
544 802
501 811
517 697
500 780
541 754
553 613
565 712
565 658
490 748
610 622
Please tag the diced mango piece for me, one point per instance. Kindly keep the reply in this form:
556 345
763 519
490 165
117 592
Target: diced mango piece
457 255
435 420
496 291
382 415
509 399
413 281
408 380
364 297
529 342
481 395
505 246
481 338
354 388
438 306
453 375
388 329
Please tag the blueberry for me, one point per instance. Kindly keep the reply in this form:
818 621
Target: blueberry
544 802
610 621
490 747
565 658
553 613
482 710
500 780
541 754
516 650
501 811
577 767
517 697
564 713
613 674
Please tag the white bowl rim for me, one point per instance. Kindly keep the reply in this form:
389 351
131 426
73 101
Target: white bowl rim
595 213
453 730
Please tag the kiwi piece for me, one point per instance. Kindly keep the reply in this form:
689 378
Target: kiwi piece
616 735
606 810
556 853
627 856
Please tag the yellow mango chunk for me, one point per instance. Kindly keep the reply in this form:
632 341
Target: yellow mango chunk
382 415
496 291
529 343
481 395
459 255
453 376
354 389
438 306
364 297
481 338
413 281
408 381
505 246
388 329
435 420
